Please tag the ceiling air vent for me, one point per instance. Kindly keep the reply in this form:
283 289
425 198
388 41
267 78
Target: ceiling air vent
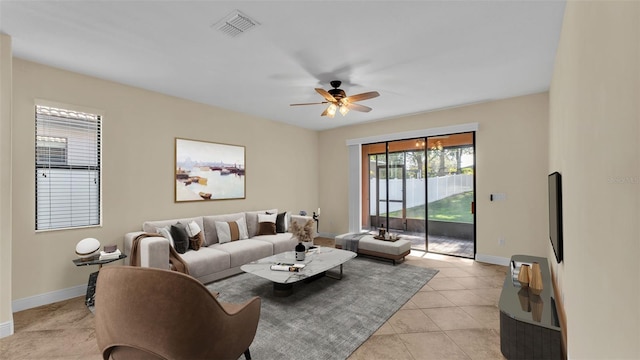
235 24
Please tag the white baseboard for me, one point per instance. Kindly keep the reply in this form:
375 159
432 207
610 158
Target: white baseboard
497 260
6 329
48 298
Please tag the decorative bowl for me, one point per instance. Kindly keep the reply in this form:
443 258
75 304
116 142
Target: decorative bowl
87 248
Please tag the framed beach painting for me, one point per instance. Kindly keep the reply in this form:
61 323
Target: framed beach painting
209 171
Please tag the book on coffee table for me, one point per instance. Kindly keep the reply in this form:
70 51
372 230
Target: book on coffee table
287 267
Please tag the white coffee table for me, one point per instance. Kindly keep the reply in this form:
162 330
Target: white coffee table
317 262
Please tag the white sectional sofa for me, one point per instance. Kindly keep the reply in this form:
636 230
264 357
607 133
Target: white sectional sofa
214 260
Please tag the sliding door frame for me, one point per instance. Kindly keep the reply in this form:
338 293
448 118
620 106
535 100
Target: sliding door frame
473 201
356 165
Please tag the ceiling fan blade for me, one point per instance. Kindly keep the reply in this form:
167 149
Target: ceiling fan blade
363 96
358 107
326 95
325 112
318 103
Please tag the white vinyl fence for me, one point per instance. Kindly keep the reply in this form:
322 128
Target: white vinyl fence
438 188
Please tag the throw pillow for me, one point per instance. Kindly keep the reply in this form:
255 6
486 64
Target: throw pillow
165 232
282 222
267 228
180 238
196 237
195 242
192 228
267 224
267 218
242 226
232 230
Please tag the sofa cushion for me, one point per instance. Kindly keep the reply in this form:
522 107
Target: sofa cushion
267 224
245 251
282 222
196 236
267 217
165 232
209 228
227 231
192 228
206 261
196 242
252 220
180 238
231 230
267 228
280 242
150 226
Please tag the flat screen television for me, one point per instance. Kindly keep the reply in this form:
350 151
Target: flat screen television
555 213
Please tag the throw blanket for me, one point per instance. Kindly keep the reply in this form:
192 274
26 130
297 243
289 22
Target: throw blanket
351 241
175 261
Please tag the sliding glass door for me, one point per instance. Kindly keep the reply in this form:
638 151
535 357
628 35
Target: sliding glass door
394 190
422 189
451 194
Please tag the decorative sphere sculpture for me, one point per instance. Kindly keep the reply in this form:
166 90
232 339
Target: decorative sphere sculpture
87 248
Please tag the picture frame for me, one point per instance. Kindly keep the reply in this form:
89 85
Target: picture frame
206 170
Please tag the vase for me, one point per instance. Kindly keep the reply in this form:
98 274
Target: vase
535 279
523 275
300 252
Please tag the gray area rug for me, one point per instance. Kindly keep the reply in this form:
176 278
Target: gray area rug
325 318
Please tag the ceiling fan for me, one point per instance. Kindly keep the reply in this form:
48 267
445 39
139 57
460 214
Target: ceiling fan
339 101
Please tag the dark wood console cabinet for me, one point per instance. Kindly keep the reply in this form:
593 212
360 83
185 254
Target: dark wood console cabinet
529 326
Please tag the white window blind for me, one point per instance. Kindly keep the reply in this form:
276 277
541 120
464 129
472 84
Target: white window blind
68 167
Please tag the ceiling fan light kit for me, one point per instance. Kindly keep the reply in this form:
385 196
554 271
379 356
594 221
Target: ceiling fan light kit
339 101
331 110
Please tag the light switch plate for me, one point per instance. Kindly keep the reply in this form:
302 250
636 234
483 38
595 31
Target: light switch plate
498 196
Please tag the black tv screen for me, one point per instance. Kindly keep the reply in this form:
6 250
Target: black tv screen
555 214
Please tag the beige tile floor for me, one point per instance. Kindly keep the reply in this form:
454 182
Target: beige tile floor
454 316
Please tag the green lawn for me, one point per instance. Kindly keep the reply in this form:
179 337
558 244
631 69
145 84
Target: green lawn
456 208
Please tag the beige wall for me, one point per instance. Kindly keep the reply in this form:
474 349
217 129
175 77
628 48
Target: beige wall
138 156
139 131
594 134
511 157
6 316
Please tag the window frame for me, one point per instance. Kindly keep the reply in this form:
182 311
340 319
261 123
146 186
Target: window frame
44 166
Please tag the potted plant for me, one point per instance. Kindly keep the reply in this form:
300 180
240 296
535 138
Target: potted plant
304 234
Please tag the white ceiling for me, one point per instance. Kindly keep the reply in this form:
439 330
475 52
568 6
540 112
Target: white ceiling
420 55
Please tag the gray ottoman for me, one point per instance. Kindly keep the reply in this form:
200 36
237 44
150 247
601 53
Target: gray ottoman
392 250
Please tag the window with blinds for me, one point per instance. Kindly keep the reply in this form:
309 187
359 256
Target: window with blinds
68 168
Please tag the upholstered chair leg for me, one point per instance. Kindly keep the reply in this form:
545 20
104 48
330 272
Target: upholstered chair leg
247 354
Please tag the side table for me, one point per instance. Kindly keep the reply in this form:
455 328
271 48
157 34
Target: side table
89 299
529 324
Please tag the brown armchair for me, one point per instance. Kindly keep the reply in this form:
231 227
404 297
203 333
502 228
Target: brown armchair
146 313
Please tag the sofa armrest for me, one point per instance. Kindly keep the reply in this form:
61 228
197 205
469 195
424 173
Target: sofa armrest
154 251
303 220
